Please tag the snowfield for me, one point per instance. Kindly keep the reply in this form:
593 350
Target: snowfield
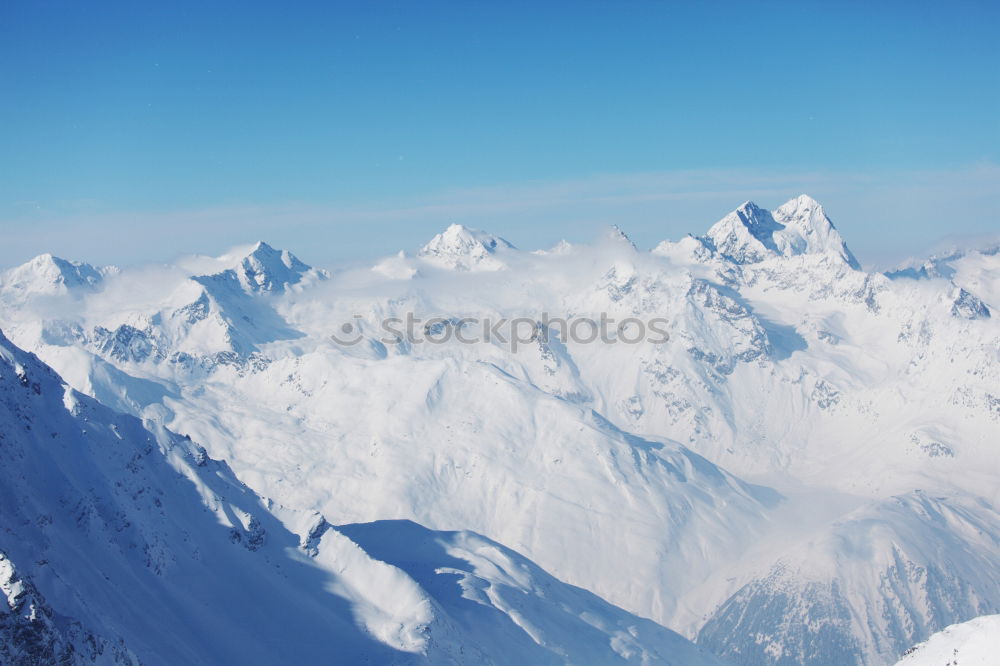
122 545
804 472
972 643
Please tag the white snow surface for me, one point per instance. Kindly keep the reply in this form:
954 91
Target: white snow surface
805 472
751 234
972 643
464 249
125 545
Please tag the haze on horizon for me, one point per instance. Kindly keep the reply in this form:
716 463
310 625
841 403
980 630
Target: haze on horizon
349 131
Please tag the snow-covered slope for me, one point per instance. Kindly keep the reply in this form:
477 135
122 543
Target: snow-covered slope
972 643
801 470
120 545
860 590
141 540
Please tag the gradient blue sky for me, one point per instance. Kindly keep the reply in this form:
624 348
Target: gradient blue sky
132 131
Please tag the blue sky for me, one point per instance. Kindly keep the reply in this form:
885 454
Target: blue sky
133 131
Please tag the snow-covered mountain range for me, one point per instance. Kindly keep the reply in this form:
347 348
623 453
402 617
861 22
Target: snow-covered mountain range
804 472
127 545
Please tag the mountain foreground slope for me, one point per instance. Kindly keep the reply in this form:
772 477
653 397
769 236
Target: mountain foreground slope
972 643
123 545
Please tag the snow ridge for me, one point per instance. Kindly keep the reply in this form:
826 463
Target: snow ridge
972 643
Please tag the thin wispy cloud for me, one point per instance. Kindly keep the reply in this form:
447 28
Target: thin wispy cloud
885 215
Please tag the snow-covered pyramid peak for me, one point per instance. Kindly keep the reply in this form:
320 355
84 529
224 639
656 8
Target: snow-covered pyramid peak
461 248
615 235
266 269
808 230
800 226
48 274
745 235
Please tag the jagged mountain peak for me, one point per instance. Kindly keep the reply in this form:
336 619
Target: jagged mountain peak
265 269
749 206
805 211
49 274
462 248
262 251
803 201
815 231
751 234
614 234
458 237
563 247
968 306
